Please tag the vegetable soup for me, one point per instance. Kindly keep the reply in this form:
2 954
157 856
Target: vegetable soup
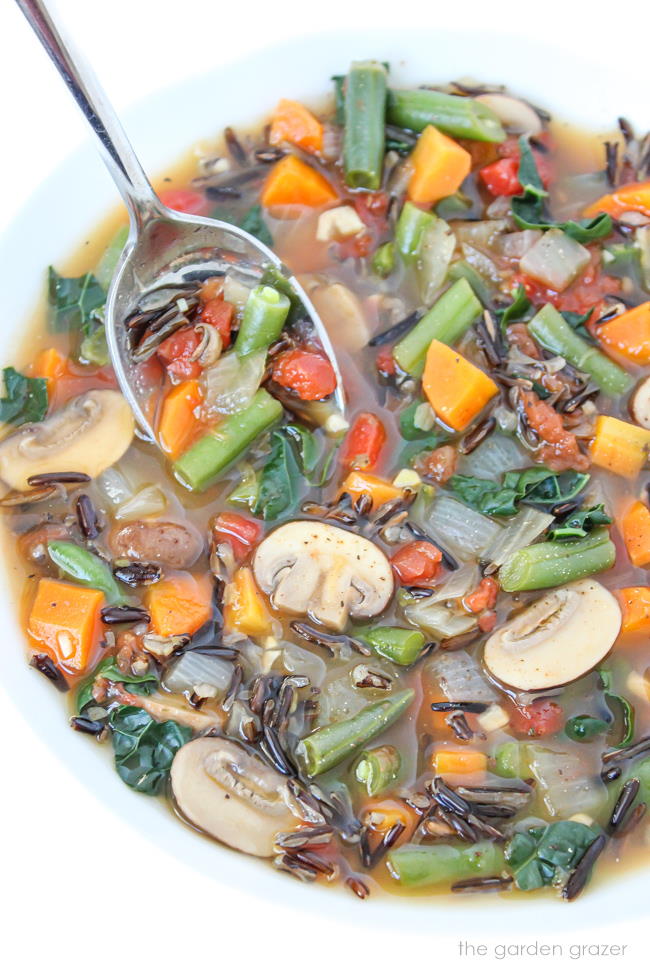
401 646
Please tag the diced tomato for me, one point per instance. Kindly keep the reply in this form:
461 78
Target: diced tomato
309 374
363 443
487 621
501 177
439 465
358 246
372 209
175 353
483 597
585 293
560 450
385 362
220 314
185 201
538 719
242 534
416 562
78 379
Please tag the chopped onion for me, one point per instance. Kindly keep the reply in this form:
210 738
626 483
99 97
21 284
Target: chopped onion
482 234
191 669
438 245
233 381
304 662
527 525
114 486
566 787
492 458
235 291
459 584
461 678
441 614
555 260
481 263
517 244
467 533
149 500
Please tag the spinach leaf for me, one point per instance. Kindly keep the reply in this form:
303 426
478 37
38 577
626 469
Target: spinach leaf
578 322
253 223
580 523
535 485
529 212
306 446
143 684
541 857
516 310
277 485
72 301
25 399
622 711
144 750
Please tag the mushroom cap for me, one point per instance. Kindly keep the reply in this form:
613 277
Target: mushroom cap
639 404
325 572
231 795
88 434
515 114
557 639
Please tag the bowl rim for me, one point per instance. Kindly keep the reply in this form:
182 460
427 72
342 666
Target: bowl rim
80 173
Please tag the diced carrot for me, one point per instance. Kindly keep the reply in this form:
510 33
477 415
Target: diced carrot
636 533
455 387
448 762
635 605
179 424
294 123
292 183
358 483
629 334
633 197
179 603
619 447
65 623
381 815
439 167
50 364
245 610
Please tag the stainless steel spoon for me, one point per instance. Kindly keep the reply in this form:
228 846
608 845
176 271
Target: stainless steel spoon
163 247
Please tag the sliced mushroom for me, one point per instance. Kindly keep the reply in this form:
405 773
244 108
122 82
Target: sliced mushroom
639 405
231 795
559 638
517 116
88 434
324 572
164 542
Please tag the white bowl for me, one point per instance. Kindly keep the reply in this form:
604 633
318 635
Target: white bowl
78 194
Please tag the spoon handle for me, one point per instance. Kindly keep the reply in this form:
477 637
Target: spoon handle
117 151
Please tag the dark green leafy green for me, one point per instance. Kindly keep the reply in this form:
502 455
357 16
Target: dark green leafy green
580 523
542 856
25 399
536 485
584 727
142 684
622 711
278 482
72 302
253 223
529 211
306 446
514 311
578 323
144 750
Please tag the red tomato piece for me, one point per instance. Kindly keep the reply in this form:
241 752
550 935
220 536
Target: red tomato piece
308 374
487 621
242 534
363 443
175 353
484 596
358 246
538 719
416 562
501 177
385 362
185 201
219 313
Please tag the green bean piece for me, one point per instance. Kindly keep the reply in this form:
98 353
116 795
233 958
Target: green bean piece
447 321
82 566
383 260
455 115
549 564
332 744
555 334
274 278
423 866
410 229
511 760
376 768
584 727
206 459
397 643
264 316
364 133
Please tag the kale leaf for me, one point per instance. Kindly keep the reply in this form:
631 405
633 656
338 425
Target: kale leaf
279 478
535 485
580 523
144 749
135 684
542 856
73 302
25 399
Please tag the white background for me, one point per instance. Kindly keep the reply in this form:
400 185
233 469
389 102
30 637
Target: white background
80 889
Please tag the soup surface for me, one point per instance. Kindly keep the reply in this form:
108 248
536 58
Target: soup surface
403 647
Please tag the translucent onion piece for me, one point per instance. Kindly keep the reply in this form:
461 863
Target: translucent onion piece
148 501
491 459
114 486
192 668
520 531
436 251
555 260
304 662
231 383
438 619
567 788
467 533
461 678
